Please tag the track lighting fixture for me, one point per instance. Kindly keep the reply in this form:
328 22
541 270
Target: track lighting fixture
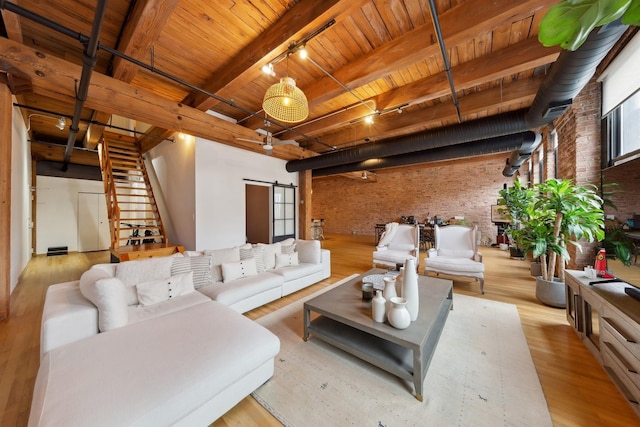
364 175
62 122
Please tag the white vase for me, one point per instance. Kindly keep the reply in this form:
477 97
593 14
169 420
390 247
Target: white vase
399 279
389 291
378 309
410 288
398 316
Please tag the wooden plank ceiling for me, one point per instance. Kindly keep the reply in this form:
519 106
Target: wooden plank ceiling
367 57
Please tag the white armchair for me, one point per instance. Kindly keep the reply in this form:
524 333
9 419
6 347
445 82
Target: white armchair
456 253
398 243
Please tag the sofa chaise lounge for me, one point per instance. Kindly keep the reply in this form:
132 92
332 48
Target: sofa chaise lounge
165 353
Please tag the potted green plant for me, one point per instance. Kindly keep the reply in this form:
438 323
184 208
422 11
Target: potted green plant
562 213
513 202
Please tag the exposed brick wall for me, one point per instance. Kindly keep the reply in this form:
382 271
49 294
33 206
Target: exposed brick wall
466 187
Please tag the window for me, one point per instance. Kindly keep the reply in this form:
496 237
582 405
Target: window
284 212
621 106
621 131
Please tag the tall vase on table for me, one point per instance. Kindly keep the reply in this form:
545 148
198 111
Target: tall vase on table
389 291
410 288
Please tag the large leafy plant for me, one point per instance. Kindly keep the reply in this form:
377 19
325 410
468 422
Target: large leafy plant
513 203
561 213
569 22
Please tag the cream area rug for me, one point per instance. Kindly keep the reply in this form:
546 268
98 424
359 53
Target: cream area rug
481 375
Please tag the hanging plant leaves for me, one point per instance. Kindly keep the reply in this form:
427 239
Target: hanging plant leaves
632 15
569 22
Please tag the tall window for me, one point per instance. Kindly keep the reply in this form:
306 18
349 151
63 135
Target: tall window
621 106
284 212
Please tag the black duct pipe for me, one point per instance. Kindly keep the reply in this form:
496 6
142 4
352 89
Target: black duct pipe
568 75
476 148
89 60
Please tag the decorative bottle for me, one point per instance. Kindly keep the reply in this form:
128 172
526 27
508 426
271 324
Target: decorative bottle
389 291
399 279
378 309
410 288
398 316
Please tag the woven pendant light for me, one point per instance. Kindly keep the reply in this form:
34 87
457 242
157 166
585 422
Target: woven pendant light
285 102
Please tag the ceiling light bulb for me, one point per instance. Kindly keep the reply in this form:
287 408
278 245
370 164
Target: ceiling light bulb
364 175
286 101
268 69
62 122
368 119
303 53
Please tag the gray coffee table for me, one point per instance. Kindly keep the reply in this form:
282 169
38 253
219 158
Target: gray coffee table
344 321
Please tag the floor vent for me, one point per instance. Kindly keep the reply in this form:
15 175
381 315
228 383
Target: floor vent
57 250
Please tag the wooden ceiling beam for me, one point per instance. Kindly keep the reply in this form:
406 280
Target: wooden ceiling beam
56 78
458 25
303 17
12 25
55 153
514 59
515 94
141 31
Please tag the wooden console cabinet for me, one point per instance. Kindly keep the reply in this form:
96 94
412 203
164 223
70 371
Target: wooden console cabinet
608 322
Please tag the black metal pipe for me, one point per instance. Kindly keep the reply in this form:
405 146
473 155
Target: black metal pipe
474 148
488 127
89 60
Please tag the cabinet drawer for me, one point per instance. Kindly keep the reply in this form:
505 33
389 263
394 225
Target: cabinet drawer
623 332
619 373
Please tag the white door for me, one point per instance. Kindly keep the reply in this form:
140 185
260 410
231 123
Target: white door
93 223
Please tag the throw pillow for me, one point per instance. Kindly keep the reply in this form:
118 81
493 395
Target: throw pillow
239 269
254 252
156 291
309 251
287 249
133 272
219 256
109 295
269 254
286 260
199 265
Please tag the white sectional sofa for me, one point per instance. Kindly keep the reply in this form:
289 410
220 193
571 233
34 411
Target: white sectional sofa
137 344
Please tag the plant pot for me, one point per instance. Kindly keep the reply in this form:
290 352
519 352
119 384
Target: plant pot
551 293
536 268
514 252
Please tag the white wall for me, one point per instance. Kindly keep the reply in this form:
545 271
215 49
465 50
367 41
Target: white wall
202 184
20 198
57 210
220 190
173 167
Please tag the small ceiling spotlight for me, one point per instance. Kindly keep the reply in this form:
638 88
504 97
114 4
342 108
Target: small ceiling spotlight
268 69
368 119
303 53
364 175
62 122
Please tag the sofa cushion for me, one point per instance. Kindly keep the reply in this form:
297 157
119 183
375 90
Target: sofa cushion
286 260
297 271
288 246
232 292
133 272
393 256
219 256
109 295
269 254
156 291
239 269
199 265
309 251
139 313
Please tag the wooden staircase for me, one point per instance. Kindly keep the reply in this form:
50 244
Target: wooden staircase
134 219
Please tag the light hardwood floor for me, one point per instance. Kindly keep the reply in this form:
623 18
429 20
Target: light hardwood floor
578 391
